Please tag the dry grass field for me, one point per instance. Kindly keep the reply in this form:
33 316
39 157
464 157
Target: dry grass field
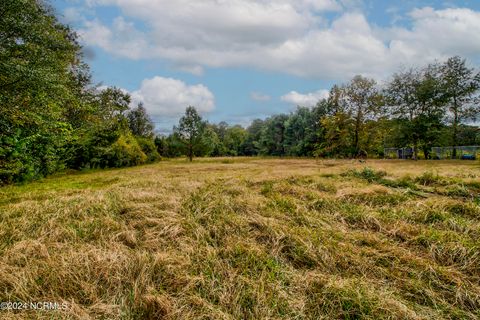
247 239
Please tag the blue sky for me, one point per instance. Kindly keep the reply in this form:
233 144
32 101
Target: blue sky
238 60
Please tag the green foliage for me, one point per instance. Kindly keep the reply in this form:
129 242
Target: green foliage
169 146
362 101
124 152
234 139
417 102
272 137
460 89
251 146
139 122
209 143
338 131
106 149
356 120
190 131
303 131
148 147
36 51
51 118
37 69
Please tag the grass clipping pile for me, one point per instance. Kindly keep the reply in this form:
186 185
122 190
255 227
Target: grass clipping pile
247 239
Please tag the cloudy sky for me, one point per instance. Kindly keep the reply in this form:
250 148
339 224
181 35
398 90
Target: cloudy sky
236 60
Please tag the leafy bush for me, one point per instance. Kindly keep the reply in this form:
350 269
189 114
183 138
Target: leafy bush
26 155
124 152
103 149
149 148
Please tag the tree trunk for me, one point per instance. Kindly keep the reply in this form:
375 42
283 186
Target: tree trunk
356 140
414 155
190 152
455 132
426 153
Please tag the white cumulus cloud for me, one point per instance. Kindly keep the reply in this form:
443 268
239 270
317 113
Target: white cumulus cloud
289 36
305 100
167 97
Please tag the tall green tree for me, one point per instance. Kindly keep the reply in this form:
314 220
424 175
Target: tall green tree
209 143
220 129
468 135
251 146
431 104
51 116
416 101
272 138
38 56
113 104
302 131
338 136
234 139
169 146
190 130
139 122
362 100
461 86
219 148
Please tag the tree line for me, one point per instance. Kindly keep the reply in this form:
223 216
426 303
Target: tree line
52 117
418 108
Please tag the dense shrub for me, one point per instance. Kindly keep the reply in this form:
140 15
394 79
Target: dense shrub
149 148
107 149
124 152
25 156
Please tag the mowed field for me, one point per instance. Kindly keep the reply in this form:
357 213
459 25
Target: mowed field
247 239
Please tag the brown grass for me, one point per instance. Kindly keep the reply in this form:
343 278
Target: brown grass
247 239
